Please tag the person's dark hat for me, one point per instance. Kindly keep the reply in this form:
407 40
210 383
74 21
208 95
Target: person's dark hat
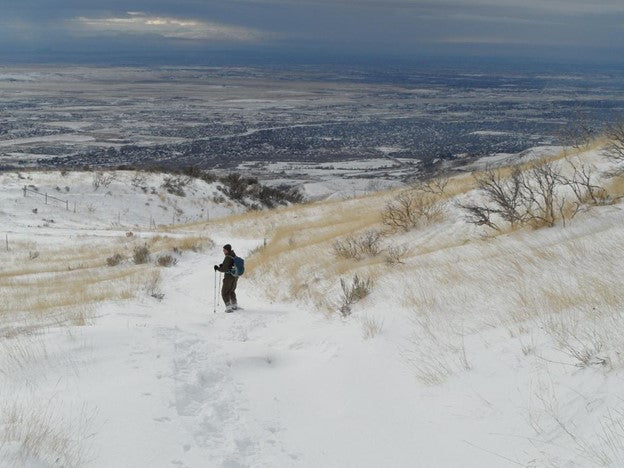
227 247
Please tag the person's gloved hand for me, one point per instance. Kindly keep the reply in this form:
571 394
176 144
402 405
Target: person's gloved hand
216 267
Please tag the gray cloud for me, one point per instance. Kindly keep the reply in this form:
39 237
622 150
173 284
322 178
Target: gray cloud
559 28
141 23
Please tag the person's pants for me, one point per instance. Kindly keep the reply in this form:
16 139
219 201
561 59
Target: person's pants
228 291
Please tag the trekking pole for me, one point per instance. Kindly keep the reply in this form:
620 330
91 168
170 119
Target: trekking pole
218 288
214 297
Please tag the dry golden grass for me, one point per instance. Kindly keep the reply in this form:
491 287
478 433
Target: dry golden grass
195 243
60 284
615 186
298 250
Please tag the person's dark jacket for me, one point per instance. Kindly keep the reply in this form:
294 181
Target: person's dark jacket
228 263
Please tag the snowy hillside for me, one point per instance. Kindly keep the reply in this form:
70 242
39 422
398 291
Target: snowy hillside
110 199
362 342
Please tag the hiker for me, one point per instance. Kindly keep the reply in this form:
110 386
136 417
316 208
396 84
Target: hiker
228 291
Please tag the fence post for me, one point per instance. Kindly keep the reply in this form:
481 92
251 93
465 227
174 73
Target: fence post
24 189
46 201
66 205
74 207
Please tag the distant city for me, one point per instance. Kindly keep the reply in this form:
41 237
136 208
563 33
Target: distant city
220 118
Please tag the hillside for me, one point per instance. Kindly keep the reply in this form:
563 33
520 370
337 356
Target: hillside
370 335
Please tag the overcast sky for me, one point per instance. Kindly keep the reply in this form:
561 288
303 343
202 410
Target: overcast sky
102 30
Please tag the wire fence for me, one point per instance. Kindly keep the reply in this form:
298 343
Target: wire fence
176 218
49 198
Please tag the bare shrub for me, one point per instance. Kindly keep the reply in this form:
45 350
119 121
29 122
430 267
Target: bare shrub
152 286
141 255
503 198
139 181
396 254
371 327
166 261
358 247
354 292
114 260
176 184
410 209
101 179
541 203
435 186
615 147
585 191
533 197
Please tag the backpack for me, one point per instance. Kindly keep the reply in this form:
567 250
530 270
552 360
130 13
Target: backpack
239 267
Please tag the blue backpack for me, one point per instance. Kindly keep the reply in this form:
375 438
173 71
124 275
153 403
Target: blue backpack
239 267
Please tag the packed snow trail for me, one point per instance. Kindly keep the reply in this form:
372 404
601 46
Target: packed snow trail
170 383
174 384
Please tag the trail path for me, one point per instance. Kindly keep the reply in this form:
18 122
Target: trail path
267 386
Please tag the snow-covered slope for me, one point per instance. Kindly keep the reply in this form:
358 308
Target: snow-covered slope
104 200
472 348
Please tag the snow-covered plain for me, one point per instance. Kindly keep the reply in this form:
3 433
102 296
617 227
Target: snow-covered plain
462 355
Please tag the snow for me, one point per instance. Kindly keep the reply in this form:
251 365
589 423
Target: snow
62 138
488 133
131 200
280 383
501 159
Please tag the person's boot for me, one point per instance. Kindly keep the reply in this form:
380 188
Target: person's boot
229 308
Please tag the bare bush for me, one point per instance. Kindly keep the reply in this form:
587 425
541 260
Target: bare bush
585 191
615 147
101 179
396 254
371 327
354 292
152 286
358 247
141 255
503 198
534 197
139 181
541 202
435 186
410 209
176 184
114 260
166 261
